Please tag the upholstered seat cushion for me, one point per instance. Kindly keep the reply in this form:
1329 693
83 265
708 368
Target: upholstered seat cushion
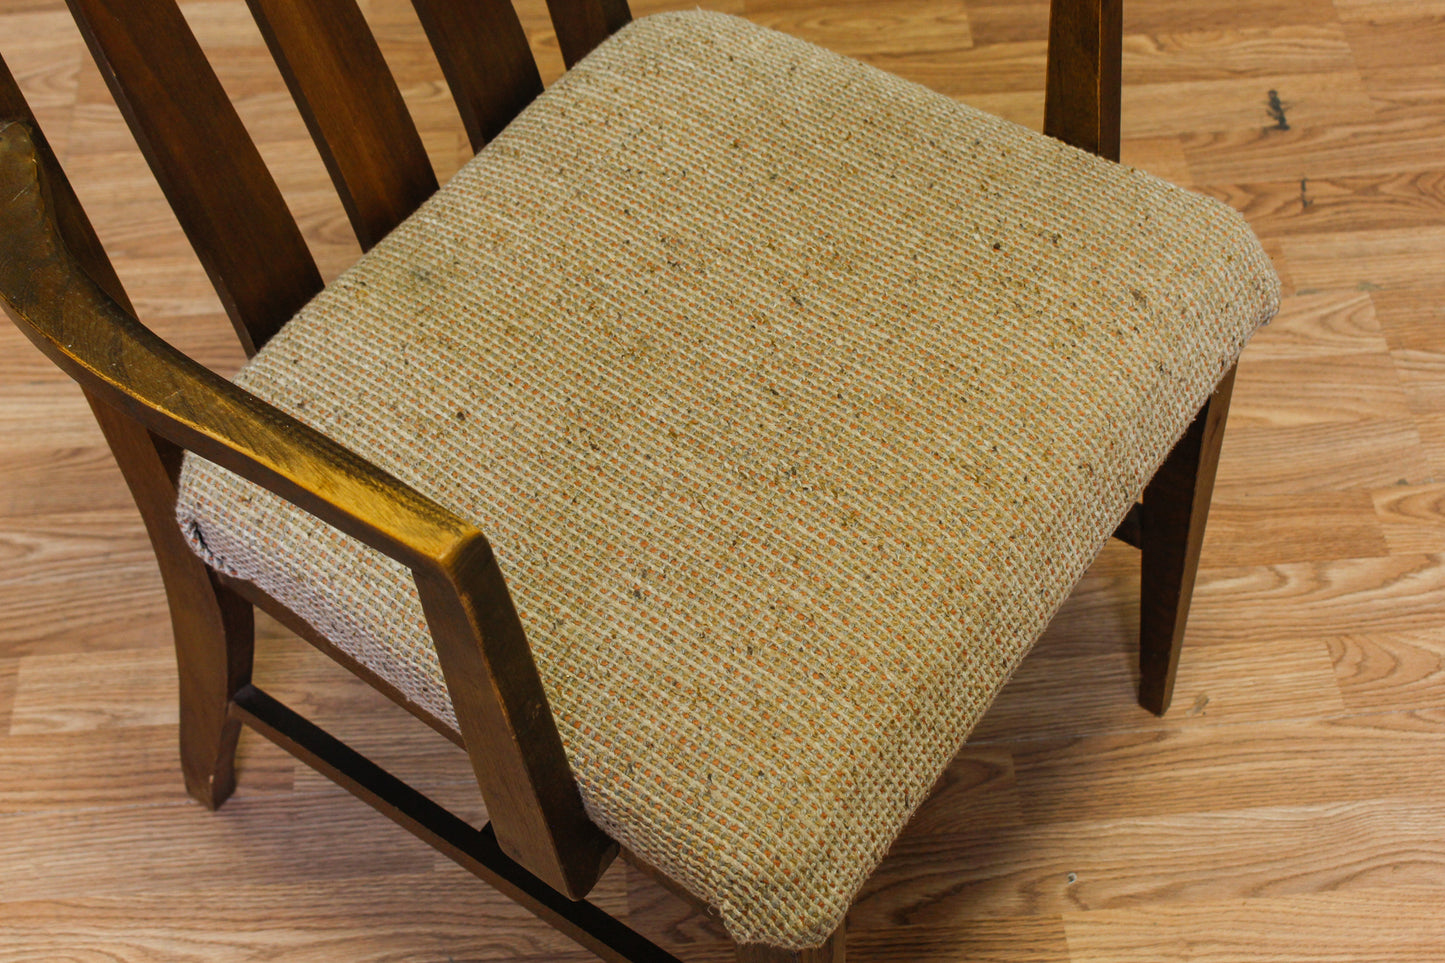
793 398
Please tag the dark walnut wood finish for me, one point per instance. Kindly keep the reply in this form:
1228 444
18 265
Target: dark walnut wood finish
1081 101
352 107
482 50
154 403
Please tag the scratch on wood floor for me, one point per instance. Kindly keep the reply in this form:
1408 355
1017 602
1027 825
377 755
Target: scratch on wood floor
1276 111
1305 201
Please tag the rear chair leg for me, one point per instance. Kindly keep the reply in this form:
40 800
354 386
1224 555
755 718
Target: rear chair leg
1175 509
214 627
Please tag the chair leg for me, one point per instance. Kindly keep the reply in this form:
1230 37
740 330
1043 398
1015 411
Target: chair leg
832 951
214 628
1175 509
214 636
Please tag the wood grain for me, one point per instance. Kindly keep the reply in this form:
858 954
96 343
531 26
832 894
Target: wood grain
1365 260
1321 325
1113 775
1157 860
1284 393
1265 930
1326 456
1227 683
1391 669
1299 527
112 767
92 691
9 669
1312 205
1286 808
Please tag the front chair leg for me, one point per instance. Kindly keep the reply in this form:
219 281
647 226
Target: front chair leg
832 951
214 628
214 644
1175 509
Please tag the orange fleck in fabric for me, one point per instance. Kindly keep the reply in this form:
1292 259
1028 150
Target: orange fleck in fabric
794 399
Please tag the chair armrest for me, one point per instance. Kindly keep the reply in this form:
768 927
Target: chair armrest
496 692
109 352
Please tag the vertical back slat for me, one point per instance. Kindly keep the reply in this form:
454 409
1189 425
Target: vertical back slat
352 106
583 24
1081 99
482 50
222 194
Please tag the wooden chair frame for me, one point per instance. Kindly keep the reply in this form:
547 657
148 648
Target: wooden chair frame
153 403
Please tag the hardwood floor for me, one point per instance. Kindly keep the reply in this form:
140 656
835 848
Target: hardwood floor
1290 807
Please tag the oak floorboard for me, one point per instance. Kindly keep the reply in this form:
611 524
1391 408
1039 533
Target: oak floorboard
129 768
1325 456
1161 156
1311 205
1390 670
1410 318
1322 325
25 408
260 837
1365 148
45 602
1297 527
1283 393
87 691
1366 260
8 669
1039 939
1398 42
1318 599
1404 92
434 922
1327 760
1277 50
1431 425
50 481
880 27
1412 517
1371 847
1387 11
1402 926
1326 99
1226 683
977 793
1001 21
45 53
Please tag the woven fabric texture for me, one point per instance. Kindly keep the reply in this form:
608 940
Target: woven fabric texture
794 398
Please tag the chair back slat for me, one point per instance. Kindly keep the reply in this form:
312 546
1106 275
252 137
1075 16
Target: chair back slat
583 24
222 194
483 52
351 105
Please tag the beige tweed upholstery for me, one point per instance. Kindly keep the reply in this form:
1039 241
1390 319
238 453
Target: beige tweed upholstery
794 399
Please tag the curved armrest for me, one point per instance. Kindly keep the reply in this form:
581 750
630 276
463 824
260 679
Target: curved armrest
500 704
103 347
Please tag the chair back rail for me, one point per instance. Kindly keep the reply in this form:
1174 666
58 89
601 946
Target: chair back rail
351 105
